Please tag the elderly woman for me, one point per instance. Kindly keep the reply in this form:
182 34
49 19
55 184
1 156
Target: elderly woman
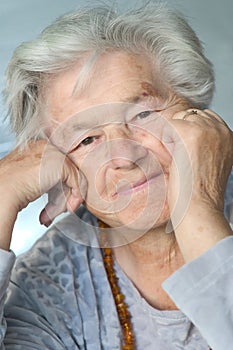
111 117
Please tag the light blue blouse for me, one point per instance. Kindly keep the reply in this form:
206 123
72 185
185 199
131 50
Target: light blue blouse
59 297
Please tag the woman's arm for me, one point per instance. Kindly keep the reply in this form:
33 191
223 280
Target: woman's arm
203 290
24 176
27 174
21 326
7 261
202 162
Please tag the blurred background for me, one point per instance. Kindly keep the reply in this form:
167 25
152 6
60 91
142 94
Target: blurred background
23 20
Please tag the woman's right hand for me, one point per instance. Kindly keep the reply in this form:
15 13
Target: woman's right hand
27 174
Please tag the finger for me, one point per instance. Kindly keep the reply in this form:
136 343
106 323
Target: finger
45 218
62 198
74 179
192 114
183 115
215 116
51 211
73 202
55 206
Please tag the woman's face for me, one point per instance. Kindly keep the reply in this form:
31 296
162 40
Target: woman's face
112 130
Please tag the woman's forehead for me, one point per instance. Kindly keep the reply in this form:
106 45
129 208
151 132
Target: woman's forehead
115 78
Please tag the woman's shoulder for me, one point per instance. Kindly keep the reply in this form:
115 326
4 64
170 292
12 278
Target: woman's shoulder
57 276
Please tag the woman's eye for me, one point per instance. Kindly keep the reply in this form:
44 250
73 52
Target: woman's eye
88 140
143 115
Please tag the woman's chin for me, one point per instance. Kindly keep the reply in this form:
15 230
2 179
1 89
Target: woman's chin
127 226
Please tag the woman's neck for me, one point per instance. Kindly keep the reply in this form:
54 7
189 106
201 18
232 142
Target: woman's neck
148 261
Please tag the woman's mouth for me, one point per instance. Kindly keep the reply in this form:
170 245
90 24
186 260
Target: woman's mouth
133 187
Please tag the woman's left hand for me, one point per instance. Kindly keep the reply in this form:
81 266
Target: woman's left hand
202 161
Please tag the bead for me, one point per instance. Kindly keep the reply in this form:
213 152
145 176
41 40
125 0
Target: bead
120 297
108 251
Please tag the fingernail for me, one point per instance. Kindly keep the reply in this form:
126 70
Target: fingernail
47 223
44 218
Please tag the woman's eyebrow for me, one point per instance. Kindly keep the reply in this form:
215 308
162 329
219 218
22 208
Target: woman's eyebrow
141 96
135 98
81 126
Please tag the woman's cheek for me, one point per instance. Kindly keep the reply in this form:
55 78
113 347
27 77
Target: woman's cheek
89 166
161 151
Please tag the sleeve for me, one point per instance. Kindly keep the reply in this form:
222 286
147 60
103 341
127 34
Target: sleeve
26 328
7 260
203 290
21 326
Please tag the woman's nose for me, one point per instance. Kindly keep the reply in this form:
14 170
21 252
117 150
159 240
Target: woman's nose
124 151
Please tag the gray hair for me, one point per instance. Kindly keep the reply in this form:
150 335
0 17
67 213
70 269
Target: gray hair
152 30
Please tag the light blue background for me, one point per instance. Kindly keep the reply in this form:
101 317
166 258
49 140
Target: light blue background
22 20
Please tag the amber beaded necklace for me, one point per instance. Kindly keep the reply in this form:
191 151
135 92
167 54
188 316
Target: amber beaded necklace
122 308
128 340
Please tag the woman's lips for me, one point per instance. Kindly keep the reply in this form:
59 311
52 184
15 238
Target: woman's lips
135 187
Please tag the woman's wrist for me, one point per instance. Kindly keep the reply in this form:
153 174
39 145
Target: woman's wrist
8 216
200 229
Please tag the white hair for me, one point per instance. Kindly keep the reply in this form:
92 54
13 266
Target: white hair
152 30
